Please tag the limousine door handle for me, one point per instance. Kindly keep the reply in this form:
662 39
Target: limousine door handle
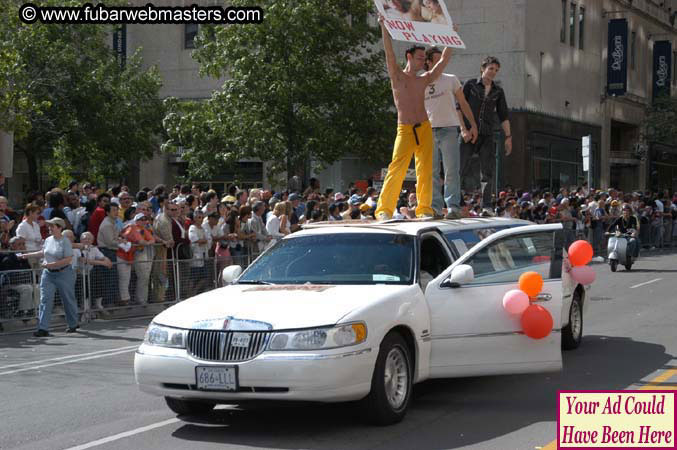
542 298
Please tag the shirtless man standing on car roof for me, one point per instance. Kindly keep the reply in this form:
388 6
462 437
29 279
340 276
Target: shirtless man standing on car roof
414 133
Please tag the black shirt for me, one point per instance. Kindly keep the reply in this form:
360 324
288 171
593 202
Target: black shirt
483 108
11 262
625 225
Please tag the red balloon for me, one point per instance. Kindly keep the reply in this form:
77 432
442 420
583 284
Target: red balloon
580 253
536 322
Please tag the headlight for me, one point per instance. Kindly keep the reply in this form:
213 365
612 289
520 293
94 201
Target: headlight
165 336
320 338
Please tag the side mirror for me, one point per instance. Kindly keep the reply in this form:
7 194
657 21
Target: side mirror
461 274
230 273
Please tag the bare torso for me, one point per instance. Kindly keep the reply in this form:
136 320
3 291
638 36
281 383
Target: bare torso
409 94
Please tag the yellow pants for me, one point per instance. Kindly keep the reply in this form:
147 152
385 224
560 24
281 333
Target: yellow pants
416 140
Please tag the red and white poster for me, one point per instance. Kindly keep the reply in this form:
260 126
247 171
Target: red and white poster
419 21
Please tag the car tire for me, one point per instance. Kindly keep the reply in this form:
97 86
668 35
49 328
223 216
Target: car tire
391 383
572 334
188 407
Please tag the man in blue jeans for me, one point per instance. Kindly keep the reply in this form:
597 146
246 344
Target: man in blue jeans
440 104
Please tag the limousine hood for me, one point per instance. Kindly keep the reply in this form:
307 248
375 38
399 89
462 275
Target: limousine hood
275 307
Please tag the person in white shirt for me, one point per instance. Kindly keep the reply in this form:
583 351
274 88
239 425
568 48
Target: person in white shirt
29 230
440 103
199 244
273 224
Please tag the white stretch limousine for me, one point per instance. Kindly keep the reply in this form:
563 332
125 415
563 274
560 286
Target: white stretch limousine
361 311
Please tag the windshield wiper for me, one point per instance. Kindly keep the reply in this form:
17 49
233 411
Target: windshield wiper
254 282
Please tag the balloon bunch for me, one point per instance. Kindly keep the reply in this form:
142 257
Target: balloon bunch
580 254
536 321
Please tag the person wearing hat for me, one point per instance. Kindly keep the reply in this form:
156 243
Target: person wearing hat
57 275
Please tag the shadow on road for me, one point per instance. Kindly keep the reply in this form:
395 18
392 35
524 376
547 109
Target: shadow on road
648 271
104 330
447 413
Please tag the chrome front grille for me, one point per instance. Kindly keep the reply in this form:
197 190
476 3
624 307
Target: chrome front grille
214 345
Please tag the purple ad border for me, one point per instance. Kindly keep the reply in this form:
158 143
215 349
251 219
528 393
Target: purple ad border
656 391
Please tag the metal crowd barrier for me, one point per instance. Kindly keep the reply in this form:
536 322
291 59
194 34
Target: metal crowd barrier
125 290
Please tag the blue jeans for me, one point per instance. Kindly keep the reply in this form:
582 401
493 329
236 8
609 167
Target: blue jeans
64 282
447 151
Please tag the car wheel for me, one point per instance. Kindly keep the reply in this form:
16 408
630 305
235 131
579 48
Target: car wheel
188 407
572 334
391 383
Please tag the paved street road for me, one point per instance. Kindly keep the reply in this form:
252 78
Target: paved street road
78 391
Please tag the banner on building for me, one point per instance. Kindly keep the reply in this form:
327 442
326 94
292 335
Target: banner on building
662 68
120 44
426 23
617 57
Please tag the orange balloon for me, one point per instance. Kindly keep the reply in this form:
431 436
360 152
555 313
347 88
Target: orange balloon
536 322
580 253
531 283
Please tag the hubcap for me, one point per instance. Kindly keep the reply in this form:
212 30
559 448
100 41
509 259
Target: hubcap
396 378
576 319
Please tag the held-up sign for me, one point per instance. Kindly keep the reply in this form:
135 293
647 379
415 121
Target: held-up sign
424 22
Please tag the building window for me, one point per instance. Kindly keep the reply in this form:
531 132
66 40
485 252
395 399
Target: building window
572 25
563 31
581 27
633 46
189 33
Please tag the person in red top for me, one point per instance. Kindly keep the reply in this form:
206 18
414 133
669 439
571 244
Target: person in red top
98 215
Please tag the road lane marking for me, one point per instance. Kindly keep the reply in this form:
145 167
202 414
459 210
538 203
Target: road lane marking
644 284
119 436
25 369
655 384
67 357
647 387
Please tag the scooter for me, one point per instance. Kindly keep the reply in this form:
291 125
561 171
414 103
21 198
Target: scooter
619 250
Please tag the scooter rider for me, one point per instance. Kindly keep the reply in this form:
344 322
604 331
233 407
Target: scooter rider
627 224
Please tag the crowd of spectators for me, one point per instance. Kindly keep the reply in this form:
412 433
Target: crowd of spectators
116 232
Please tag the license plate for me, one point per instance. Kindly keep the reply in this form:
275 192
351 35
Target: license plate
216 378
240 340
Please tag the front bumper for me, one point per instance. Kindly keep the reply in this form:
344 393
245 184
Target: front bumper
327 376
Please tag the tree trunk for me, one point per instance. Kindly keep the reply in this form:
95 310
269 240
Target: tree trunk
32 160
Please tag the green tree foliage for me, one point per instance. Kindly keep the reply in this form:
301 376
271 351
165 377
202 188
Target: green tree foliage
68 101
660 124
309 82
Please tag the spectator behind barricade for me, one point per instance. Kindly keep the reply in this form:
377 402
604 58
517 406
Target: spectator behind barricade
286 221
232 231
5 233
94 263
125 200
83 221
19 279
241 198
138 255
211 203
334 213
271 206
310 206
98 216
29 229
179 231
159 190
273 226
257 226
4 212
210 225
77 254
255 195
246 236
58 276
162 228
108 241
200 243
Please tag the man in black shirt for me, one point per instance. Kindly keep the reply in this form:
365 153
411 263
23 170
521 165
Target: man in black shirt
627 223
485 98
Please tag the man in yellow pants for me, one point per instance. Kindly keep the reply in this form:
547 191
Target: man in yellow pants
414 133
